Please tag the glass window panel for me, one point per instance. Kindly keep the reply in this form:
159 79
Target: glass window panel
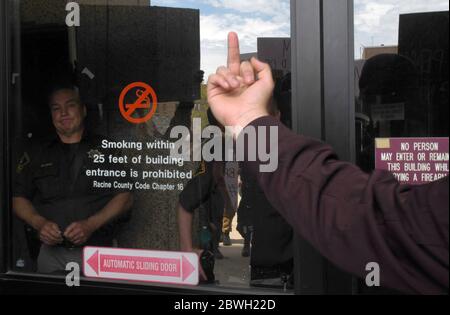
101 84
401 76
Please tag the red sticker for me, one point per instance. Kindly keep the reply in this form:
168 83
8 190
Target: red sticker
141 265
146 100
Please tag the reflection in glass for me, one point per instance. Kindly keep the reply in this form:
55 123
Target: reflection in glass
116 179
401 74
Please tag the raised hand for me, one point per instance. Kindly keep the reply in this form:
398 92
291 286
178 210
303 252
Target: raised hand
240 93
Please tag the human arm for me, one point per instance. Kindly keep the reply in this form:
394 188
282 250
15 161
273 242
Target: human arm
49 232
79 232
351 217
354 218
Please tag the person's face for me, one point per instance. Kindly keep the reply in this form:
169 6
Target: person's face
67 112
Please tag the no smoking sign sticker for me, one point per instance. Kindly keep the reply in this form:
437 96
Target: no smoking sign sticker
143 103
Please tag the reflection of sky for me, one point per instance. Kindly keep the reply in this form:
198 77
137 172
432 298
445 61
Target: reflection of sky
376 22
249 18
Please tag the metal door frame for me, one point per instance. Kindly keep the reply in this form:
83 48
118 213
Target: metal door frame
323 98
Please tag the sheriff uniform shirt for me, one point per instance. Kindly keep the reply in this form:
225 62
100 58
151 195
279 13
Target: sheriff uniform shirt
52 175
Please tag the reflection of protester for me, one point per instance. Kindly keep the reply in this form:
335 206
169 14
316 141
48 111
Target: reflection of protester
245 217
54 195
351 217
227 228
231 180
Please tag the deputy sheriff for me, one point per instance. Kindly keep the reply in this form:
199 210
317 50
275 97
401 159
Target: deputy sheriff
54 195
206 192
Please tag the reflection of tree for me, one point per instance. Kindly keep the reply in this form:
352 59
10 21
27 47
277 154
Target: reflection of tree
202 106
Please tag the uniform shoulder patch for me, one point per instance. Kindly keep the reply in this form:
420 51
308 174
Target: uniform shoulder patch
93 153
201 170
23 162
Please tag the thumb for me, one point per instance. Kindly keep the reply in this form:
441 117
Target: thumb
263 71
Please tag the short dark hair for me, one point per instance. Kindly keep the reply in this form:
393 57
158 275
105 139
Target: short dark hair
63 86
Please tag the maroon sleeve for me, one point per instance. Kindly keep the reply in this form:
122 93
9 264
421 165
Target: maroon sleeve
354 218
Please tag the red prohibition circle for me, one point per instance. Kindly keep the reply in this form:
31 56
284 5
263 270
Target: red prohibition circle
128 112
